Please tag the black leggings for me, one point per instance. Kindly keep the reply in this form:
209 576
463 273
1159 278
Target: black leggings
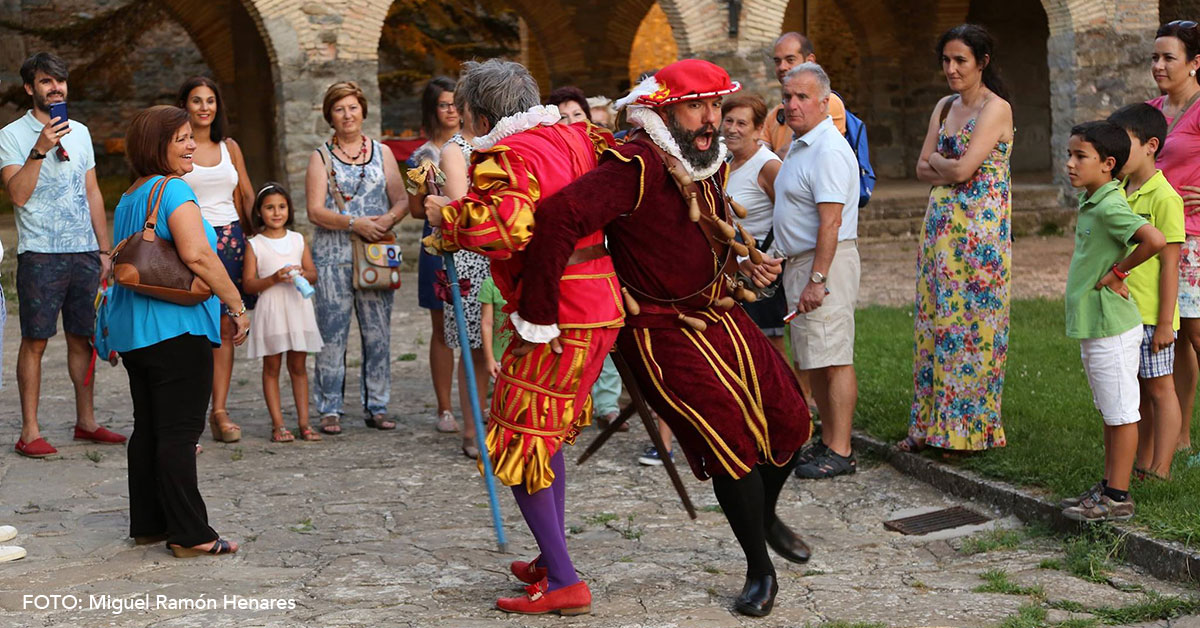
170 383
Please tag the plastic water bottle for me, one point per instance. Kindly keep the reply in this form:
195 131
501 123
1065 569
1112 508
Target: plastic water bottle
305 288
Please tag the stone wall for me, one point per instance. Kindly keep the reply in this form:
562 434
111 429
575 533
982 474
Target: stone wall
876 50
165 57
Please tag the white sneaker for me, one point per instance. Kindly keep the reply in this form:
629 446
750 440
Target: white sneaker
7 533
11 552
446 423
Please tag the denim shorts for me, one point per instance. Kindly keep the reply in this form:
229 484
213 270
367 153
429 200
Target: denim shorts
48 283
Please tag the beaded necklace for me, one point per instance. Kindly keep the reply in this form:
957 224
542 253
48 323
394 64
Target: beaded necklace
362 168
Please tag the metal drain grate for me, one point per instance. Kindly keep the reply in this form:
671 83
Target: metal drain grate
936 520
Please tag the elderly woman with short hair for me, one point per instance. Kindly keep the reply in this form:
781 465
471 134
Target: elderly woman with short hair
367 178
167 348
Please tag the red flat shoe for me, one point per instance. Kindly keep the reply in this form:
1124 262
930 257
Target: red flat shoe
99 435
528 572
573 600
38 448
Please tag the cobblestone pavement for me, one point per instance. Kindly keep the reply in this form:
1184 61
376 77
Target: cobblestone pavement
392 529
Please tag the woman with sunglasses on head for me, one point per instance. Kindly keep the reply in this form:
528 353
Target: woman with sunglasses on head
1175 65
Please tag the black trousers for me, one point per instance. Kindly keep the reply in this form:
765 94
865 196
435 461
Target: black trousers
170 383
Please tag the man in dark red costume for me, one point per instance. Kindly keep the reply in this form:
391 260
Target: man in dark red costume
701 362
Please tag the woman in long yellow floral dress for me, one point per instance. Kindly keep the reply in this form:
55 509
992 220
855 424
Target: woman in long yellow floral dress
963 269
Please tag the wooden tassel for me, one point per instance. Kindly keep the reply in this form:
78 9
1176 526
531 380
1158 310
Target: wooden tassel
725 303
739 248
742 294
693 208
631 304
738 210
694 323
755 256
681 176
726 229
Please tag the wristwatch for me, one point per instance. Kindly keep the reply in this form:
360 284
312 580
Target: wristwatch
818 278
34 154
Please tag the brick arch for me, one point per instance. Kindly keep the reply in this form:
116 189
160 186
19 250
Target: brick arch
236 46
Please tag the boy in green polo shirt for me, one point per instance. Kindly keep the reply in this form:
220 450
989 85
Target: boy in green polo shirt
1099 311
1154 286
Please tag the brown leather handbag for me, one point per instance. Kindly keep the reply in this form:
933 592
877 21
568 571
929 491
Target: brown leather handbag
150 265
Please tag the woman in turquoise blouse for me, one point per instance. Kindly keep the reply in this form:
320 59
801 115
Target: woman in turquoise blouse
167 348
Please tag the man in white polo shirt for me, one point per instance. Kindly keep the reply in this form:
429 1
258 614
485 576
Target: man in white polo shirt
816 229
48 167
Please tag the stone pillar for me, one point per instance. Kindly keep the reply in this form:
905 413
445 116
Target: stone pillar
1098 62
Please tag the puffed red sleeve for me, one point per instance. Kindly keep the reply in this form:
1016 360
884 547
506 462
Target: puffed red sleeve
495 217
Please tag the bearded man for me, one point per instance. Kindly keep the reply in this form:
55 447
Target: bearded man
702 364
541 398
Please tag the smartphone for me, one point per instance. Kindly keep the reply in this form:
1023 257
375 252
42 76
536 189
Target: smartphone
59 110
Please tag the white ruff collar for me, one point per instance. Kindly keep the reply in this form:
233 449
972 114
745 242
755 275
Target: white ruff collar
653 125
540 115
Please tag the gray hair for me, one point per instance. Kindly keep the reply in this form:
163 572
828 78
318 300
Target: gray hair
496 89
814 69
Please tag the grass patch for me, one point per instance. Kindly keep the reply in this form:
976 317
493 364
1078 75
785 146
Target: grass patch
600 519
991 541
996 581
847 624
1053 431
406 357
1152 607
94 455
711 508
1028 616
1090 555
304 527
631 532
1050 563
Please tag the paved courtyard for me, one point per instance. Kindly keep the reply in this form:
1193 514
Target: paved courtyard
392 529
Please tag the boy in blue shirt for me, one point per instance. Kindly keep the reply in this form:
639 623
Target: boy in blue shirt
1154 286
1099 311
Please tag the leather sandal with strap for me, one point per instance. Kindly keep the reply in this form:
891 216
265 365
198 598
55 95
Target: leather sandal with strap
281 434
331 424
307 433
223 431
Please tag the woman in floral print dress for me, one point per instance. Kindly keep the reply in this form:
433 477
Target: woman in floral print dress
963 268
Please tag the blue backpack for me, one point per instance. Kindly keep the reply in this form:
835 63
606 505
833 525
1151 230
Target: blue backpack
856 135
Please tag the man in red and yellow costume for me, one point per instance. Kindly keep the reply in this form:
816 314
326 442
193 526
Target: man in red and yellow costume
542 393
704 366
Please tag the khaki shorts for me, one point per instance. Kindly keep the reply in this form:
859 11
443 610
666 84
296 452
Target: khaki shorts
825 336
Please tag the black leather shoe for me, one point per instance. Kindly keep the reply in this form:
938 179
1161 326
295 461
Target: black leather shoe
786 543
758 596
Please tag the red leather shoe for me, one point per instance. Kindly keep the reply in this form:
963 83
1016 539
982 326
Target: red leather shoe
573 600
528 572
38 448
99 435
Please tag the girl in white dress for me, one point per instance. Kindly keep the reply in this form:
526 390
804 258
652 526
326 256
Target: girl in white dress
284 321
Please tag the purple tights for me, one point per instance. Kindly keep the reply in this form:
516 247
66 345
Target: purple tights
545 514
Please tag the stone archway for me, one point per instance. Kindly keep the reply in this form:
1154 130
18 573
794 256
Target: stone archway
238 51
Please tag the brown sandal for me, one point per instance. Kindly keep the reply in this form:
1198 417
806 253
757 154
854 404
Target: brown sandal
331 424
223 431
307 433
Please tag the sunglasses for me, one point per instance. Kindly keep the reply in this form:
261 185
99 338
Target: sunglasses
1182 23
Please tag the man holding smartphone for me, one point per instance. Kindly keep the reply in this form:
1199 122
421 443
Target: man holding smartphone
47 164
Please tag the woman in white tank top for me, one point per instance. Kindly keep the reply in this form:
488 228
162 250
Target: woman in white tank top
751 183
222 189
